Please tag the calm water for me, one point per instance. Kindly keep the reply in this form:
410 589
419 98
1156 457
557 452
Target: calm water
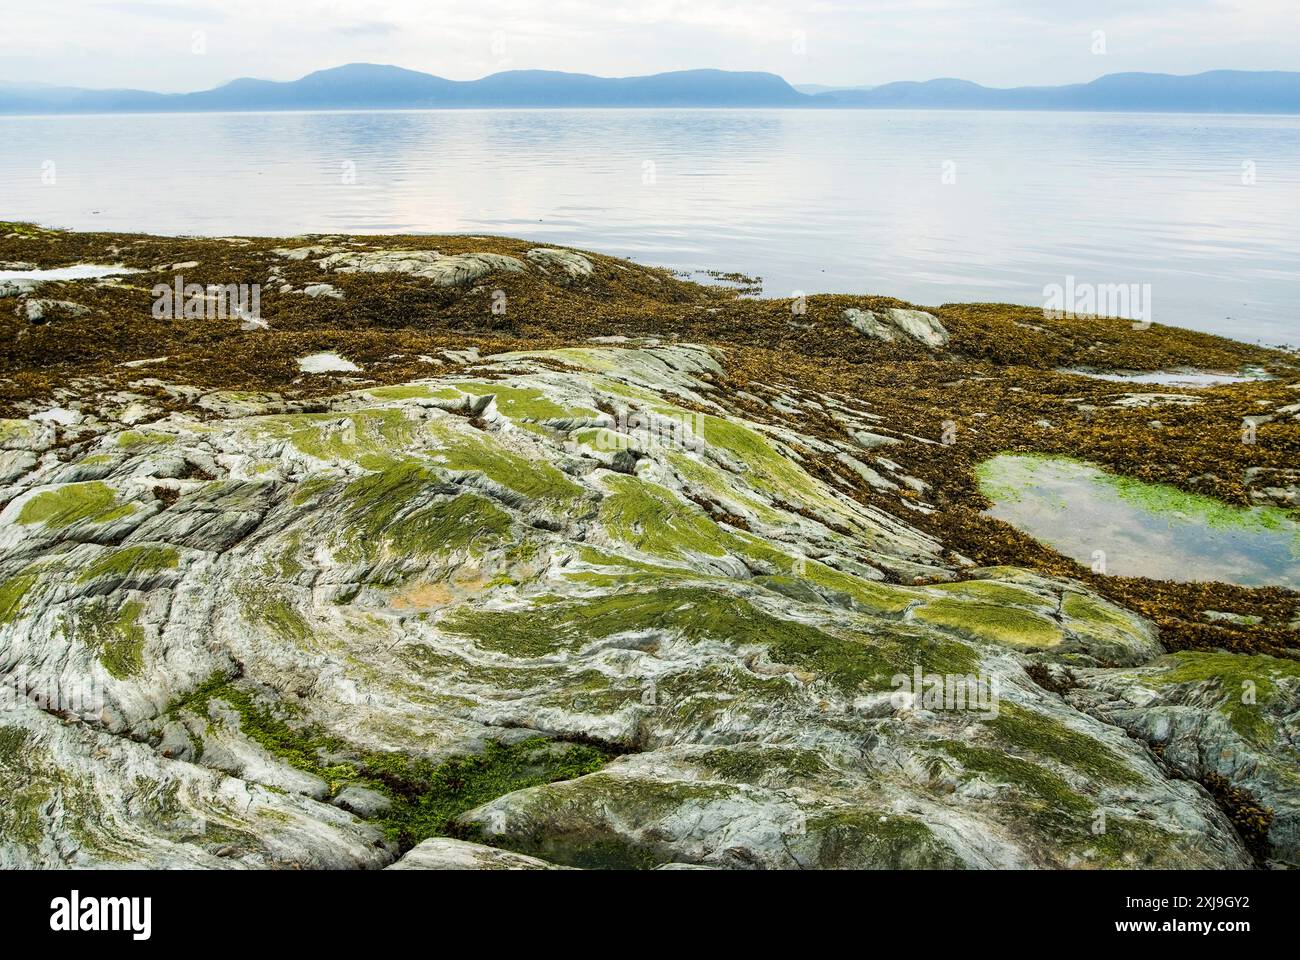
846 201
1143 530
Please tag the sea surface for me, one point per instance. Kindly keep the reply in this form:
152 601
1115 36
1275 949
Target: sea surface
1197 216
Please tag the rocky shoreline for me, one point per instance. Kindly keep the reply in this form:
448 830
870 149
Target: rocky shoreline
564 561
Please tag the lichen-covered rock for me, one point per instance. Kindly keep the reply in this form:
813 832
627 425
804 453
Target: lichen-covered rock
572 266
445 853
894 322
570 600
1214 714
450 270
80 797
919 325
867 323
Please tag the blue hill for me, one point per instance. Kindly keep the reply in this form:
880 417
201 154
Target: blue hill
376 86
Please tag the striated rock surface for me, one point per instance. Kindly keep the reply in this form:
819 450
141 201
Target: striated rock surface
445 853
564 603
499 556
1215 715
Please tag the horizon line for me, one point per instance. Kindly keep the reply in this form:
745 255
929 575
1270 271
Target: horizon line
39 84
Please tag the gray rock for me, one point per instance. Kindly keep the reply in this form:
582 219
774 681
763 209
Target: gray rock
323 290
302 253
176 743
871 441
1224 616
368 579
90 799
364 802
1213 713
867 323
918 325
1138 400
42 310
16 288
444 853
871 477
452 270
573 267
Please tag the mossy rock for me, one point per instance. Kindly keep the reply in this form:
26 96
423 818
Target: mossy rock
992 623
91 502
857 839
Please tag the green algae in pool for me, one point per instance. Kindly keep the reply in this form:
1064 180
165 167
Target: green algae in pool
1143 530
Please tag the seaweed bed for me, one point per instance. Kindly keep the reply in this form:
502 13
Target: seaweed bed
993 389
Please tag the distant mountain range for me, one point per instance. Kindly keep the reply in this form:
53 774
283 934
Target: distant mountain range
816 88
374 86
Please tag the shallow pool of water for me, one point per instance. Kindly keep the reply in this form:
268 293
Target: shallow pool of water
80 271
326 363
1173 378
1128 528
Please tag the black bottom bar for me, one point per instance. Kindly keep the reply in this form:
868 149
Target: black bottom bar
381 910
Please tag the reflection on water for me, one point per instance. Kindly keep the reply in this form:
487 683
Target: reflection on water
82 271
1173 378
1143 530
933 206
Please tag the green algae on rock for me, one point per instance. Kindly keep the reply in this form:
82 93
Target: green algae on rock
510 596
1214 717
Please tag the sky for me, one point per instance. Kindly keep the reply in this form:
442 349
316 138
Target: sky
180 45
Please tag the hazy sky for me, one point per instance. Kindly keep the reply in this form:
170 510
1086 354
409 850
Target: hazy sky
195 44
